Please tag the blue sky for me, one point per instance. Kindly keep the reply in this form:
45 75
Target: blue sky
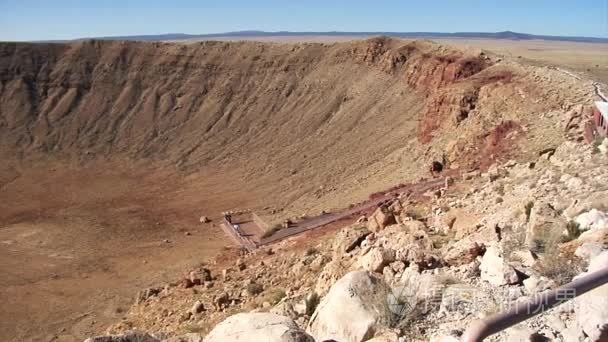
64 19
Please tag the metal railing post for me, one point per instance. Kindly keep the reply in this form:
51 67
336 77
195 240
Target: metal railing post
483 328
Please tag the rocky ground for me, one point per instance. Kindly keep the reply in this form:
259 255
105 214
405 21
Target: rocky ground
416 269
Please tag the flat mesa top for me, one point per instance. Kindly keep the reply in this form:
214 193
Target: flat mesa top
603 108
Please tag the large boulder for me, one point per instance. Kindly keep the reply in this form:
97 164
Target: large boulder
463 252
589 250
381 218
348 239
354 309
593 219
259 326
594 235
376 258
495 270
591 308
331 273
416 294
127 337
545 227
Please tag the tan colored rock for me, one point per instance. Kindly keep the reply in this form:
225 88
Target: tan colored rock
353 310
535 284
376 258
332 271
463 252
348 239
593 219
257 327
495 270
589 250
381 218
545 227
594 235
197 277
471 175
495 172
526 257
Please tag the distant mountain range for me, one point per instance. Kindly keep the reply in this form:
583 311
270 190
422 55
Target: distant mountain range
508 35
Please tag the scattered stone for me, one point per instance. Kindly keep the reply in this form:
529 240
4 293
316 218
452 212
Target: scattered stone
462 298
594 235
526 257
286 309
198 307
221 301
471 174
376 259
495 172
535 284
593 219
127 337
143 295
463 252
197 277
589 250
495 270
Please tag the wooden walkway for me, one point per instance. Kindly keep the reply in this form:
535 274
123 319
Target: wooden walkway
239 239
322 220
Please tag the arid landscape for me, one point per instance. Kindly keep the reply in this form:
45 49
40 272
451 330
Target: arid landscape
112 151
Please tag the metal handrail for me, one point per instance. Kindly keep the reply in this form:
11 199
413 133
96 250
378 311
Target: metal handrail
483 328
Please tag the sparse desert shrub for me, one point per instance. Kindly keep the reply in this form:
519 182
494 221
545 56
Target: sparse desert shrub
595 145
528 209
311 251
513 239
559 267
254 289
416 212
197 328
273 296
573 230
312 301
